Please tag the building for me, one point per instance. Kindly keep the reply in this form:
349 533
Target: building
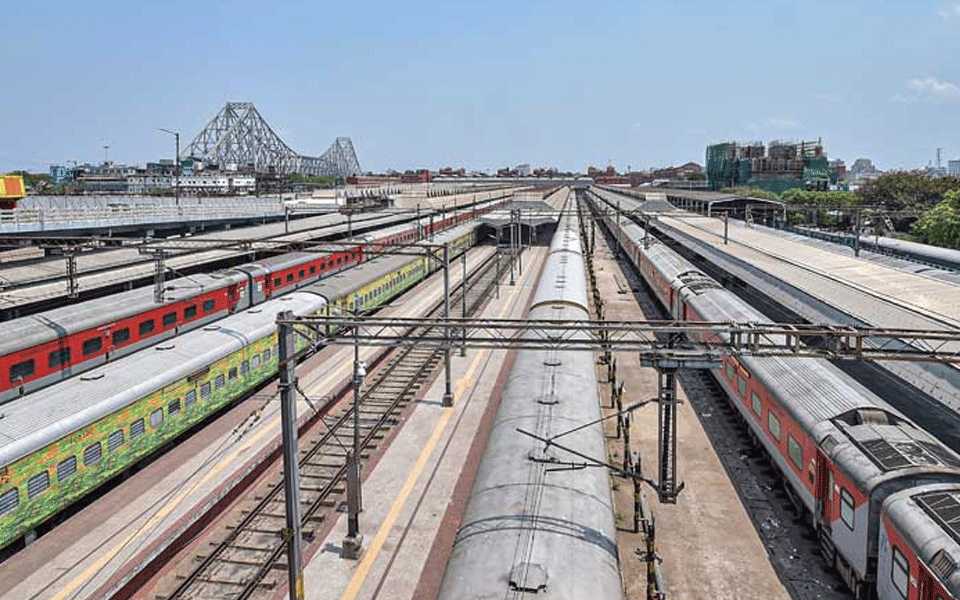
523 170
781 166
60 174
838 171
147 182
863 168
953 168
677 172
216 183
106 178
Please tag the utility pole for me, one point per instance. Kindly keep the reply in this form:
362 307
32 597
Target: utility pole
726 226
353 543
73 288
519 244
512 256
176 164
448 392
463 302
291 483
856 235
617 245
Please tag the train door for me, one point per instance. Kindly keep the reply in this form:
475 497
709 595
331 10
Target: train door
824 487
676 308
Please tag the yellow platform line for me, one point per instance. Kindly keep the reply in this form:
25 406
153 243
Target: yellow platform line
363 569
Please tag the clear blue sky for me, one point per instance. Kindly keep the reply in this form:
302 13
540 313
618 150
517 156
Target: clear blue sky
487 83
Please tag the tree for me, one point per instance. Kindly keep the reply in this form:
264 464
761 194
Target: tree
898 190
804 198
751 192
941 224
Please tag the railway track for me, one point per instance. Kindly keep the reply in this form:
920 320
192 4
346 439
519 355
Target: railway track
249 561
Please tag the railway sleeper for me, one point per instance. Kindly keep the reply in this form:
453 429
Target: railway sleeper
219 582
245 548
243 562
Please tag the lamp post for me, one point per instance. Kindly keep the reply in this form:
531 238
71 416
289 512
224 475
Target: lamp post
176 165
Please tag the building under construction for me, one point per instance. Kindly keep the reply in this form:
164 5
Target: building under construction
781 166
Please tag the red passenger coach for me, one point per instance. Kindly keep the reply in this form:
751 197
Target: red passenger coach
75 338
920 544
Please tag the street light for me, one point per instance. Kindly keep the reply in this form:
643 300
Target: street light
176 165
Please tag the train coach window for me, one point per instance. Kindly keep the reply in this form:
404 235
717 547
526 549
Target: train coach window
92 454
244 368
145 327
38 484
731 372
136 429
266 355
114 441
289 277
66 468
92 346
277 282
205 390
190 398
21 370
189 312
120 336
169 319
174 407
220 381
795 452
846 507
255 361
302 273
773 424
9 501
58 358
742 385
232 373
900 572
156 418
313 270
756 404
209 305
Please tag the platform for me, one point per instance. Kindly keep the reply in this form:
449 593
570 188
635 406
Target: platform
700 557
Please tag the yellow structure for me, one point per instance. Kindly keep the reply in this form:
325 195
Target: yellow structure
11 190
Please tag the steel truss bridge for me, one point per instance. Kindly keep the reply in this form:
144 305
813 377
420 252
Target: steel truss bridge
239 135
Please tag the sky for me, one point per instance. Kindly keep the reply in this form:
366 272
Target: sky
484 84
